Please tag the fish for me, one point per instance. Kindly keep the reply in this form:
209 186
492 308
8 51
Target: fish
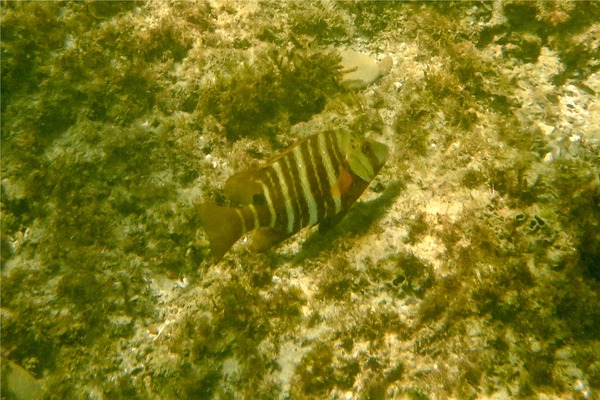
314 181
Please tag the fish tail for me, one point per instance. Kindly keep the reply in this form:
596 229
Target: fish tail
223 225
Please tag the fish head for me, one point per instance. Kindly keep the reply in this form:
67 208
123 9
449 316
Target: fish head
364 156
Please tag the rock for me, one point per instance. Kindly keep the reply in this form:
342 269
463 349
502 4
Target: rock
359 70
546 129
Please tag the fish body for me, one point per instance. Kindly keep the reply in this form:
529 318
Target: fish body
316 180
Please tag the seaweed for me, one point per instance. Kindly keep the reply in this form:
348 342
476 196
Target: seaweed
314 375
277 89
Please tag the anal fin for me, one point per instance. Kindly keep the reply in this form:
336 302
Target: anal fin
264 238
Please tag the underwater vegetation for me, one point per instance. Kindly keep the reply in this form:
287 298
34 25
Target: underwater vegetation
470 268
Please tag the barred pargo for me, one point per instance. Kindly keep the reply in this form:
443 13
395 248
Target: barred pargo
314 181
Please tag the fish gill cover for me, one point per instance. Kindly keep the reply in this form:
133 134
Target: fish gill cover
468 269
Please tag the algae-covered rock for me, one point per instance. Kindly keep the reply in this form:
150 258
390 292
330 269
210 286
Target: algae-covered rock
468 269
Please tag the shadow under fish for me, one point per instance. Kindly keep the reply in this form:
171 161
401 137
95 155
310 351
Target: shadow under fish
360 218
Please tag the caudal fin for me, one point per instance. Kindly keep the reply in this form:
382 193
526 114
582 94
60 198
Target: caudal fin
222 225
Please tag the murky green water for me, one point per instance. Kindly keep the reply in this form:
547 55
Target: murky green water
468 269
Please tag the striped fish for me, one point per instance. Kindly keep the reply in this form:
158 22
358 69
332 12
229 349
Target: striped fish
314 181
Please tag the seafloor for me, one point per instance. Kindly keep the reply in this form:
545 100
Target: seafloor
470 269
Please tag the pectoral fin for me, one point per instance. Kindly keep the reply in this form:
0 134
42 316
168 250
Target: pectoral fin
343 183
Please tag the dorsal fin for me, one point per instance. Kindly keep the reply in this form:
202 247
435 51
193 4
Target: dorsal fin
286 151
242 188
265 238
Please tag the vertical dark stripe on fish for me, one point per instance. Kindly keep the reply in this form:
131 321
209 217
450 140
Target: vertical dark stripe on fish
281 183
314 202
270 218
287 181
305 194
298 196
324 197
332 154
281 215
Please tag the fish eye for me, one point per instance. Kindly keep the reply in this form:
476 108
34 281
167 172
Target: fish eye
366 148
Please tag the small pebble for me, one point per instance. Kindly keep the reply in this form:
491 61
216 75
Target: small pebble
385 65
154 329
545 128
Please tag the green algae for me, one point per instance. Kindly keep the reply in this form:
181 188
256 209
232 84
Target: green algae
470 270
